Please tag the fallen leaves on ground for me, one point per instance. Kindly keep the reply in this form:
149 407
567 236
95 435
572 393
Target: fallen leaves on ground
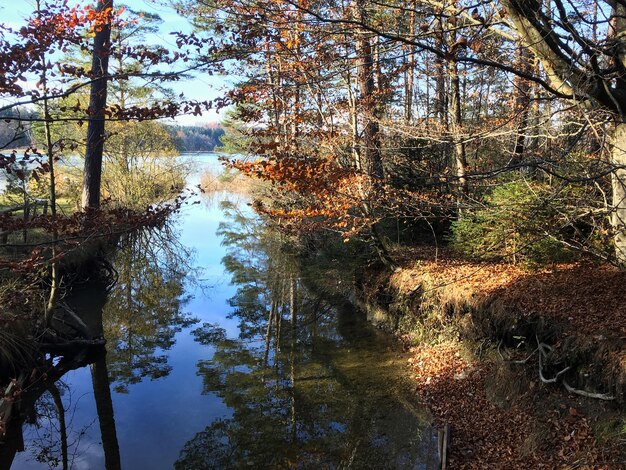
585 298
487 436
543 426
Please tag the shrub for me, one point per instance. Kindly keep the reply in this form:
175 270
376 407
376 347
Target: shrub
519 221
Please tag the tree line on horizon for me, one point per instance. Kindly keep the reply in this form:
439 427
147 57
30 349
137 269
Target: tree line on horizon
195 138
185 138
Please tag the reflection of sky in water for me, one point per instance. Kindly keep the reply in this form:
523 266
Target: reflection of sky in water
202 162
156 418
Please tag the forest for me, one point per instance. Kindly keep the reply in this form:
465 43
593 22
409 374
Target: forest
185 138
472 156
196 138
445 119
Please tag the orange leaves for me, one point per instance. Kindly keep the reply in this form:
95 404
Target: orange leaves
324 193
312 175
585 297
64 20
585 300
55 27
58 27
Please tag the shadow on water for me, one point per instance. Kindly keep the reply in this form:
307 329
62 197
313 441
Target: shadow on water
305 382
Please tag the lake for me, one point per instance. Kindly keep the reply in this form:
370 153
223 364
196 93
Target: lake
226 349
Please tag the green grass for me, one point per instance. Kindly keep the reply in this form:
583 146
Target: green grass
65 205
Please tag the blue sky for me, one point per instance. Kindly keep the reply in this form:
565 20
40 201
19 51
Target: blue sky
200 87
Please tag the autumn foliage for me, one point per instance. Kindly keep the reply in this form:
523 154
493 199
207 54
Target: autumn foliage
361 114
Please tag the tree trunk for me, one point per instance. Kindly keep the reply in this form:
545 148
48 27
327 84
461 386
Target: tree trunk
618 216
54 274
441 95
522 105
369 149
97 104
617 28
410 72
456 128
354 122
370 141
441 101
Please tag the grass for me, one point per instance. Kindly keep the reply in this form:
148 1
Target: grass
65 205
228 181
15 350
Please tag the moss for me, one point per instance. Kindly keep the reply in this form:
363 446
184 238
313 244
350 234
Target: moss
609 427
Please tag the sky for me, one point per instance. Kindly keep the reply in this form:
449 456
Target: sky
200 87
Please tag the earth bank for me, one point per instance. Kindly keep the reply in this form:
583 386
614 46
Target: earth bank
527 367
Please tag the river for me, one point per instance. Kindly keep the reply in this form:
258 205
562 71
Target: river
194 377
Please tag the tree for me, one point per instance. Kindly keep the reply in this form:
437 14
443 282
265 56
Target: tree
196 138
15 134
588 69
140 167
437 106
43 52
55 32
58 28
97 105
292 103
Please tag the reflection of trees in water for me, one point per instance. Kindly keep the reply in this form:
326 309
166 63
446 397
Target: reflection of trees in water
47 405
308 386
56 441
252 259
140 318
144 310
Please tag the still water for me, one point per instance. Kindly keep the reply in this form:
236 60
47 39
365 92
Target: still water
224 351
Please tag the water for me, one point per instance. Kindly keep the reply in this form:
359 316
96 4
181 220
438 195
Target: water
195 379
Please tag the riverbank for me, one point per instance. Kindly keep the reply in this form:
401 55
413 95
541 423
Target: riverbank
504 356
